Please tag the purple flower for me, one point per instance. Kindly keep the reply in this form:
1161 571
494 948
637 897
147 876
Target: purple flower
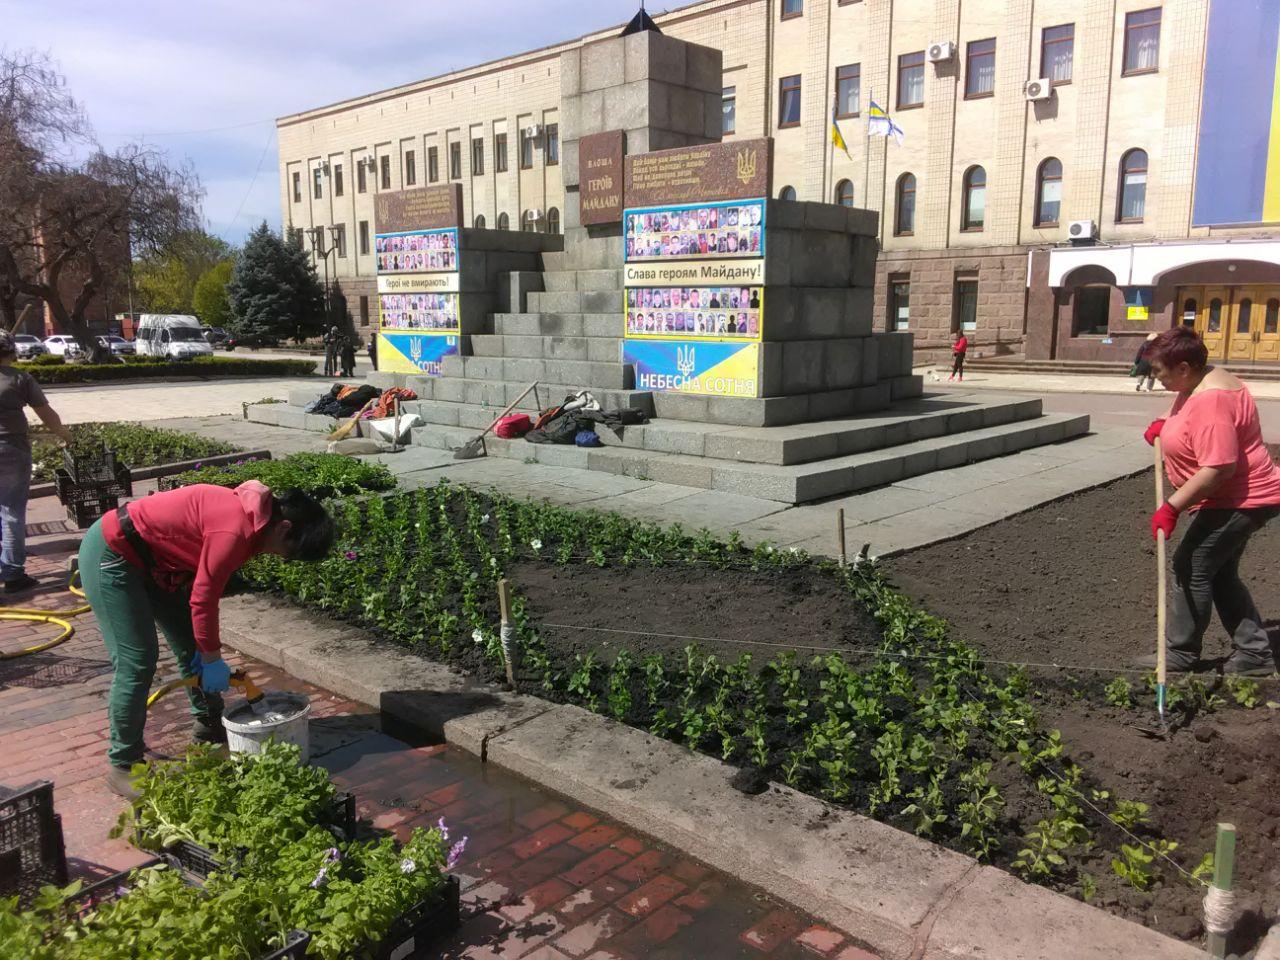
199 464
320 877
455 853
351 555
332 855
443 828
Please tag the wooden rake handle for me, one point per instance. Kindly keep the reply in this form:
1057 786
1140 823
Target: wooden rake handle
1161 666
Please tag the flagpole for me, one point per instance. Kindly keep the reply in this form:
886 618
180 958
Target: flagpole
866 155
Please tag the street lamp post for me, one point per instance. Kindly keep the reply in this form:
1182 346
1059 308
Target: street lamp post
321 251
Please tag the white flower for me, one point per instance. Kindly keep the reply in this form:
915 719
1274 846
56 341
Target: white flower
477 636
407 866
536 544
485 518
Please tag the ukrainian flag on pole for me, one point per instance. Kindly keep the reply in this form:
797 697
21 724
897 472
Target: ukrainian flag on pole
836 137
880 124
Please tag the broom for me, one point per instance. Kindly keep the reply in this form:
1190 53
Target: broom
346 428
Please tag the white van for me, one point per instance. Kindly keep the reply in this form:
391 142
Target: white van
172 335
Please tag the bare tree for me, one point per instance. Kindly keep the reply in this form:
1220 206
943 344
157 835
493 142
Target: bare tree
70 212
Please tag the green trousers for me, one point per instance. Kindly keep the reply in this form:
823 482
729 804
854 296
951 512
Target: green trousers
128 605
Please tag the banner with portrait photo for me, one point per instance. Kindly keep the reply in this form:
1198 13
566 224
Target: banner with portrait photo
417 251
688 313
695 231
418 353
713 369
437 312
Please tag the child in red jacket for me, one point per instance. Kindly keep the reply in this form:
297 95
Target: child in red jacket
958 349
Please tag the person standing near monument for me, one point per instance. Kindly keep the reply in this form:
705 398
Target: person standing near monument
373 350
959 348
331 352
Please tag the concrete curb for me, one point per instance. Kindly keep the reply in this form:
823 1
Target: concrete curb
903 897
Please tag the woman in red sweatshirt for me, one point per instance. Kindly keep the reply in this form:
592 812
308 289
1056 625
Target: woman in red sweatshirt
958 349
167 559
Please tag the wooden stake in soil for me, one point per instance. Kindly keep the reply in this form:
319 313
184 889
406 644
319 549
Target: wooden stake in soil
840 533
504 604
1219 904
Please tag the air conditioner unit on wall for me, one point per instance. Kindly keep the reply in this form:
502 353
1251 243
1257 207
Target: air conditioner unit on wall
1082 231
941 52
533 131
1040 89
534 214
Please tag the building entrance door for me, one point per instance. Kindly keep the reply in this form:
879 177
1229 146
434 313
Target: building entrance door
1242 337
1240 324
1268 345
1211 321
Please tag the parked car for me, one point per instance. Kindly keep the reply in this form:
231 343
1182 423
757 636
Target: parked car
173 336
119 346
29 346
62 345
215 335
249 343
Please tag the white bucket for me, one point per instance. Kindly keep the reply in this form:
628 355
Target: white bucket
282 716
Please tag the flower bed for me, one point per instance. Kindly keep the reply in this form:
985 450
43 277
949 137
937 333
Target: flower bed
898 720
198 369
320 474
135 445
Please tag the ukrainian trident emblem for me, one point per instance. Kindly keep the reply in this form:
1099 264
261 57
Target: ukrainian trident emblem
746 165
685 362
415 351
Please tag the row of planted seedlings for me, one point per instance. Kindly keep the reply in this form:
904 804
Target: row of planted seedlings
266 866
919 732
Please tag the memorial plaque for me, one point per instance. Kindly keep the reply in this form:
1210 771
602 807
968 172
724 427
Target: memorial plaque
600 178
737 170
426 208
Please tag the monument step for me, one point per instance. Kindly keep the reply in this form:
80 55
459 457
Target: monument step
560 324
783 410
596 349
575 301
493 395
588 374
795 483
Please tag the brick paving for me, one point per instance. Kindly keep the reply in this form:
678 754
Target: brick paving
542 879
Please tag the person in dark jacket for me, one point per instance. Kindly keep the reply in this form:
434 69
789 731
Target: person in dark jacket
331 342
1142 364
348 357
373 350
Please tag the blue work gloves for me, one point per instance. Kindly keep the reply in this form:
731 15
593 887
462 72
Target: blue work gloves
215 676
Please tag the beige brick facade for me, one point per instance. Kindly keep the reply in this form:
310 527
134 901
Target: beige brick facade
1088 125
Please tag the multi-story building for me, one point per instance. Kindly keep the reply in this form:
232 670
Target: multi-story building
1071 173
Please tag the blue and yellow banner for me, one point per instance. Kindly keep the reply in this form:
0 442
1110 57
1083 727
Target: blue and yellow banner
419 353
1238 161
695 366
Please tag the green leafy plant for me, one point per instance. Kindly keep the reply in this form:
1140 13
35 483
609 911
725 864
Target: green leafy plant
1042 856
1130 814
135 445
1203 871
620 686
320 474
1119 693
201 368
580 681
1244 691
1133 866
1088 887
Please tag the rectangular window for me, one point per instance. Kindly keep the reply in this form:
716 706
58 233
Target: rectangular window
526 150
1142 41
297 187
500 153
1057 48
899 304
980 69
385 162
729 110
455 161
340 239
364 236
966 305
1092 311
789 101
410 168
337 179
364 311
553 144
477 157
792 8
848 90
317 189
433 164
911 80
362 180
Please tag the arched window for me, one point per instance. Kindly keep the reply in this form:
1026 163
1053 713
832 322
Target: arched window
904 225
529 222
504 222
1244 315
1133 187
844 193
1189 310
787 193
480 221
974 214
1048 193
1271 323
553 220
1215 316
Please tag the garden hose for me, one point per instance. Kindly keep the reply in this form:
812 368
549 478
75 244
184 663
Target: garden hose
58 618
252 694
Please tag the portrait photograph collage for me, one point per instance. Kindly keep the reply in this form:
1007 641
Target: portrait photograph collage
708 230
419 311
729 313
408 252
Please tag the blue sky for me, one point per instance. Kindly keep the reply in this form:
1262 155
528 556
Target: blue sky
205 79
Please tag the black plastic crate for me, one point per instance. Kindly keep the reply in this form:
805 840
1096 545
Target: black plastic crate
32 852
84 513
89 465
70 490
415 932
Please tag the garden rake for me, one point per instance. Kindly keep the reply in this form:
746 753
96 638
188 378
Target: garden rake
1161 729
475 447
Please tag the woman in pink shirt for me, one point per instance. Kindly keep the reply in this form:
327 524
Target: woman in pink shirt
167 559
1214 456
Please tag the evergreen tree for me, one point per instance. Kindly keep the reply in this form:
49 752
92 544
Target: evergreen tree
210 297
274 293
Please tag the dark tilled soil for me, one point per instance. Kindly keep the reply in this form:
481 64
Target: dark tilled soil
1073 583
664 609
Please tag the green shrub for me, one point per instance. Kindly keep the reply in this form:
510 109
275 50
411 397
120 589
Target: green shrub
46 360
319 474
144 367
134 444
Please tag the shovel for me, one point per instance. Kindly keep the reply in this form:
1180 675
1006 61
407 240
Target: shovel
475 447
1160 730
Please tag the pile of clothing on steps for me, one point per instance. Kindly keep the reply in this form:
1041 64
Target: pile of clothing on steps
346 401
573 421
